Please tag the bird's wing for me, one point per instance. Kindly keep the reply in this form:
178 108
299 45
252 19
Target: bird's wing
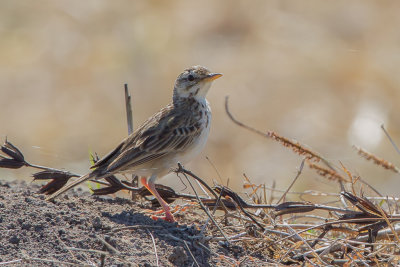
168 131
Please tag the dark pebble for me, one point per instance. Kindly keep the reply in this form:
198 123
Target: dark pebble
14 240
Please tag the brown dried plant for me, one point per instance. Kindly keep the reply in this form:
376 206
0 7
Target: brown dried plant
328 173
378 161
295 146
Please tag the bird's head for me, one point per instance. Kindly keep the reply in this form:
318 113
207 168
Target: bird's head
194 82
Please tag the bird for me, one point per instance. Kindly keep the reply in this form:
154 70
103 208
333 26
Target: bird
175 134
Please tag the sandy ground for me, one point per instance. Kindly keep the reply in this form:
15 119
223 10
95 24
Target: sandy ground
79 228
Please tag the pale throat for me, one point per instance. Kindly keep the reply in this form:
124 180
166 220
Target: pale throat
204 87
197 92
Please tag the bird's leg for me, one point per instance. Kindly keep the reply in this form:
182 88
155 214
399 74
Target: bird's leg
152 189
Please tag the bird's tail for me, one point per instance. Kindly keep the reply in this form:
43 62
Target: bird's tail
71 185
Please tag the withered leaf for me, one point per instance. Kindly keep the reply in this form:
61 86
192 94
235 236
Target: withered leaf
10 150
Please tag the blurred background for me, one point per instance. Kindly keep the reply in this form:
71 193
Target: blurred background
322 72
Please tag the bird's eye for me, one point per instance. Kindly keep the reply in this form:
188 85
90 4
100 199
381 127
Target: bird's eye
190 77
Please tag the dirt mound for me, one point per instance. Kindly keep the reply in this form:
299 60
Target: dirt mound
81 229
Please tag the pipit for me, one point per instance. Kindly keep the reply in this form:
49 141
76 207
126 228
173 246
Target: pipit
177 133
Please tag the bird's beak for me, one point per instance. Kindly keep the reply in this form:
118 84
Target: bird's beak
213 76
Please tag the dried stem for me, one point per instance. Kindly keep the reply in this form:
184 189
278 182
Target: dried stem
294 145
390 139
378 161
202 205
328 173
128 107
294 180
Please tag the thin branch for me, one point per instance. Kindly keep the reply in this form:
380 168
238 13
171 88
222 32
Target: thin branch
128 107
390 139
184 171
203 228
294 145
294 180
203 207
11 262
312 251
90 251
109 247
129 118
55 262
154 246
383 213
191 254
215 169
338 247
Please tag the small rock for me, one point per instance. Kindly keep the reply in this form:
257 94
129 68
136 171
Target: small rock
26 226
39 227
97 224
14 240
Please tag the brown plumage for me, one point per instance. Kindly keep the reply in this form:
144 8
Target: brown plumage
174 134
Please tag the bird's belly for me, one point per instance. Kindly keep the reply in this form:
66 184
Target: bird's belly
168 163
194 149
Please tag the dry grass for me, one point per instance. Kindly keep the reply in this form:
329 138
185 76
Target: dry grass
324 74
352 228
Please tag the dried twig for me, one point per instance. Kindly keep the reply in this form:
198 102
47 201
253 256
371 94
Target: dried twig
129 118
128 107
294 145
385 217
203 228
361 239
53 262
154 246
294 180
390 139
312 251
215 169
181 169
202 205
191 254
109 247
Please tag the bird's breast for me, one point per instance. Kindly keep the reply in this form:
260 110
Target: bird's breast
198 145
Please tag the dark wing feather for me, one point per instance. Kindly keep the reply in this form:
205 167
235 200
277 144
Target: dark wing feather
103 161
158 136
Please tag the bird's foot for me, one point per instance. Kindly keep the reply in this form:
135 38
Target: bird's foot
161 211
154 212
168 217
